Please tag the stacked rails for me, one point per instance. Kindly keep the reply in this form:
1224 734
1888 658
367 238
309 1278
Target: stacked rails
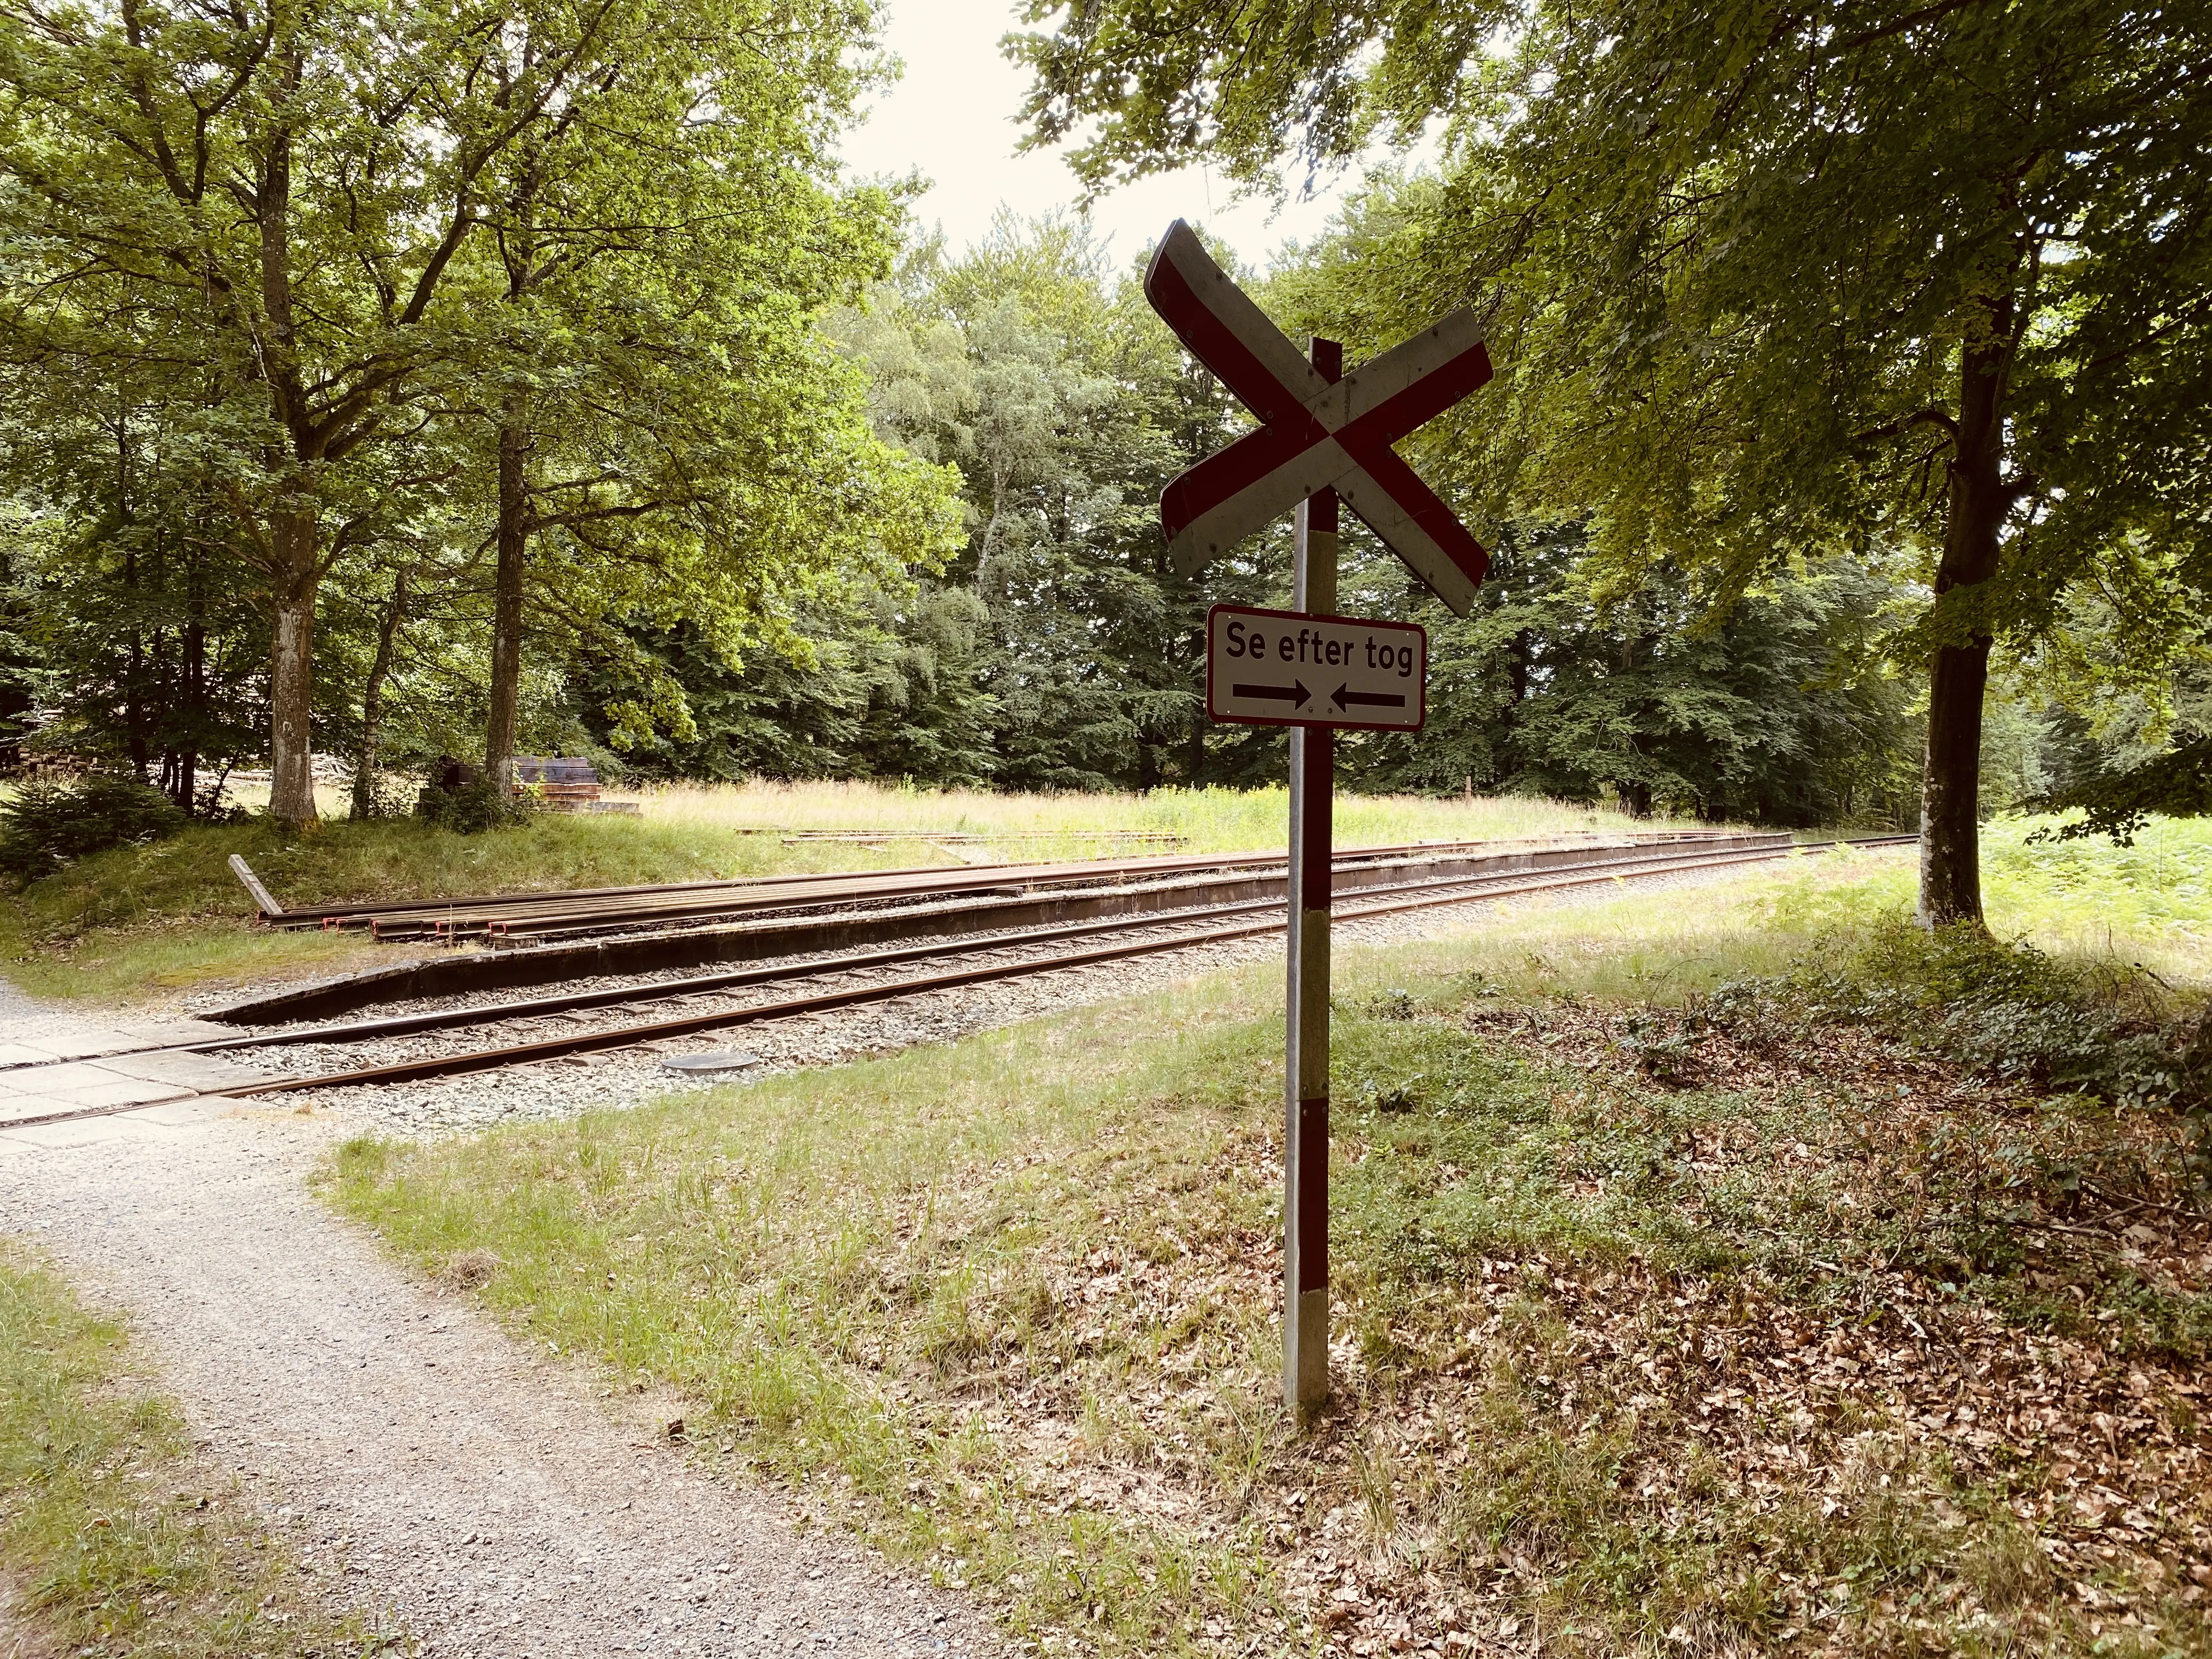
402 918
542 917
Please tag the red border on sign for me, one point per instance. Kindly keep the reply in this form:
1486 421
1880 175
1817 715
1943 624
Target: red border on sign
1313 616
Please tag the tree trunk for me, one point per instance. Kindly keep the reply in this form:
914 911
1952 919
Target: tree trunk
1951 777
500 721
191 653
291 671
372 699
1951 786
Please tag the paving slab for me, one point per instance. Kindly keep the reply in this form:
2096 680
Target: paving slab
119 1092
175 1031
75 1132
185 1070
56 1078
16 1108
178 1114
83 1043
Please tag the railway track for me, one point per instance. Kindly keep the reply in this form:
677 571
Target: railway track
866 976
512 918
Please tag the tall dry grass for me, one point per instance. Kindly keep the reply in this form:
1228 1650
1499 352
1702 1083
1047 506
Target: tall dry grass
1019 825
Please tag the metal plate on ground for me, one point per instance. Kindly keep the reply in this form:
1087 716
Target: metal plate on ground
708 1065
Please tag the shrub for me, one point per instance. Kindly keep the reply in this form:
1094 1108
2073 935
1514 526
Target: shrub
48 824
474 806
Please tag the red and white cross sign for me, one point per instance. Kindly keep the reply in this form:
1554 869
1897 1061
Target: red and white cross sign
1314 434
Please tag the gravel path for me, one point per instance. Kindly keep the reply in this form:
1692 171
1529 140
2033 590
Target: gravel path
481 1497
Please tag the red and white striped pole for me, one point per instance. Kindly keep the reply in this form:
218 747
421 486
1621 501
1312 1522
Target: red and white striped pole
1305 1131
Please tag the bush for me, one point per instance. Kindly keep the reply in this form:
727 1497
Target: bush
473 806
47 825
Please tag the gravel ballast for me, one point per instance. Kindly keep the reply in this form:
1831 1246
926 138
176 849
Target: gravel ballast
613 1078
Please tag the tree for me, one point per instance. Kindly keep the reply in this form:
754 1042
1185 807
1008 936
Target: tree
147 654
267 203
1767 280
663 235
345 237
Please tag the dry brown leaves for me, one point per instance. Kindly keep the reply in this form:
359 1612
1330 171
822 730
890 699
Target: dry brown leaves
1736 1408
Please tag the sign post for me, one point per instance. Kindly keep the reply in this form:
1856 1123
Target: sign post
1323 434
1306 1057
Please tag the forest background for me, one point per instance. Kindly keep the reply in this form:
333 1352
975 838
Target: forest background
387 385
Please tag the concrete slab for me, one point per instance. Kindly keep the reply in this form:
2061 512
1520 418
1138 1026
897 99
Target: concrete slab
182 1071
182 1114
15 1110
53 1079
119 1092
21 1053
78 1132
78 1045
171 1031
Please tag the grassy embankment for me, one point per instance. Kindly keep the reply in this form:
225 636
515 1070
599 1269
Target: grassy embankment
111 1540
1670 1322
141 921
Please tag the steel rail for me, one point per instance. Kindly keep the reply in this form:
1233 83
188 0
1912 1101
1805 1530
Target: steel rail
1519 884
389 917
812 965
981 878
698 984
541 932
629 1036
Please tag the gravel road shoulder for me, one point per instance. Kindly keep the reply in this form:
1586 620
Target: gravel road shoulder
436 1473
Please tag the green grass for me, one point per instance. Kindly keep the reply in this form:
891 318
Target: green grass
145 920
112 1541
1628 1311
2151 902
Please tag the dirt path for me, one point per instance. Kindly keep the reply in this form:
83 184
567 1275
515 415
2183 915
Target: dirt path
438 1472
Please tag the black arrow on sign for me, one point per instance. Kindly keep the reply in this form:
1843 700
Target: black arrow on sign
1294 694
1346 699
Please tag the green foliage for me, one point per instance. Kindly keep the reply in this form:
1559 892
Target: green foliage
45 825
1922 285
1774 712
2007 1011
1060 652
541 279
473 806
2177 784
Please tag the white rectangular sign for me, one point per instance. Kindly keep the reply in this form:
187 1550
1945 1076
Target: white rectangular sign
1281 668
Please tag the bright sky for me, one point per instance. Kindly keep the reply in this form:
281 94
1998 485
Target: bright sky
952 116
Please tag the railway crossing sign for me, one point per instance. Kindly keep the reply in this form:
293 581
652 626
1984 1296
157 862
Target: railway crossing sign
1286 668
1322 434
1316 433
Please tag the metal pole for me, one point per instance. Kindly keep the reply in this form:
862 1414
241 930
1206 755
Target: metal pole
1305 1127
